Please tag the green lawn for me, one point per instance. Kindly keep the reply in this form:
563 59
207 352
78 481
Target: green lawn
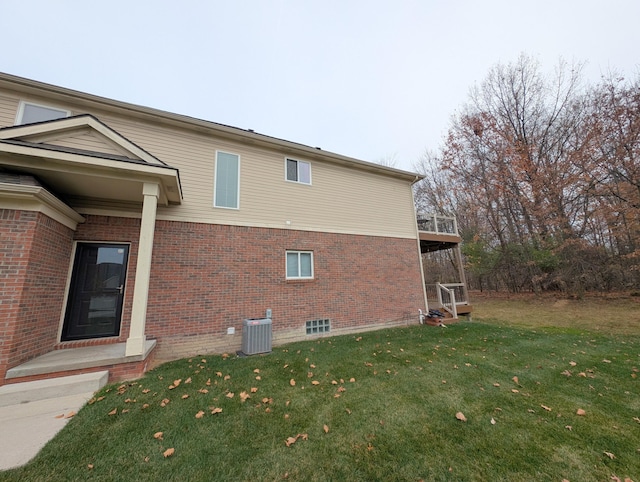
376 406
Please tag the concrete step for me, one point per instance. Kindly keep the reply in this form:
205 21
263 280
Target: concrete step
24 392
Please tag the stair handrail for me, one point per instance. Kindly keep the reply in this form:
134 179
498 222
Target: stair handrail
449 306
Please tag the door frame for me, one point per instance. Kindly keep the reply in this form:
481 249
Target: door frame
67 288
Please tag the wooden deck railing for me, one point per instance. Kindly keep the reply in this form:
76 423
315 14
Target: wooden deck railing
434 223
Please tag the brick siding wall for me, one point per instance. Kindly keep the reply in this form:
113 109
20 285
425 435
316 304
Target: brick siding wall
34 263
206 278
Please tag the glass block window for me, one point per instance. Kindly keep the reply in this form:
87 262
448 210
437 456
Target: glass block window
314 327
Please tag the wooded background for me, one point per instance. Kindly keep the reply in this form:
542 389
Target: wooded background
543 175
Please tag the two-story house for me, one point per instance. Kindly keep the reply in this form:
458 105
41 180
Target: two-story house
133 235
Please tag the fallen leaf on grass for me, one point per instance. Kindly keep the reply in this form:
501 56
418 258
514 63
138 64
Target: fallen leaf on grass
637 419
566 373
203 390
460 416
568 427
113 412
572 363
146 390
254 389
581 412
496 384
200 414
244 396
146 405
158 435
493 421
515 390
168 452
325 427
515 380
164 402
291 440
606 361
292 382
610 455
185 396
215 410
548 409
230 395
315 382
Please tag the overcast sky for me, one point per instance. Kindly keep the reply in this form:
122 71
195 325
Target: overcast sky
369 79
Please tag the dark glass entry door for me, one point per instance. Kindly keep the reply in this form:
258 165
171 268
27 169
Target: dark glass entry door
94 306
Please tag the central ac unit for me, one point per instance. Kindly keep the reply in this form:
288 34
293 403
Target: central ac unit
256 336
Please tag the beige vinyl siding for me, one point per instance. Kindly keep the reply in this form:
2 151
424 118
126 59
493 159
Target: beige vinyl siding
340 199
8 109
89 140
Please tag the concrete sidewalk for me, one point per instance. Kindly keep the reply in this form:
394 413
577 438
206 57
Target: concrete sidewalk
27 427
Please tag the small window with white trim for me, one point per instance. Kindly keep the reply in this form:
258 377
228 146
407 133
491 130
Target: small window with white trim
299 264
227 181
314 327
298 171
29 113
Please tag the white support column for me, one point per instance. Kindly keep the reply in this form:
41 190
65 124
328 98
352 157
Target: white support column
136 341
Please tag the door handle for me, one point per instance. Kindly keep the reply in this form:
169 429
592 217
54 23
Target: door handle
120 288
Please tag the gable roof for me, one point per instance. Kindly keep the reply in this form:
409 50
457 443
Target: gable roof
47 132
113 168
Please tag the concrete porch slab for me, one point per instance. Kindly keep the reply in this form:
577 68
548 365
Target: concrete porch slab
78 358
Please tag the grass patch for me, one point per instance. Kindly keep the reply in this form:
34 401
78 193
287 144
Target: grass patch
376 406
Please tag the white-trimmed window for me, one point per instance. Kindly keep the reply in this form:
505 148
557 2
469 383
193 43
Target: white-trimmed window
227 181
28 113
298 171
299 264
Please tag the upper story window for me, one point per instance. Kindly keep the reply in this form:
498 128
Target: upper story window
28 113
298 171
227 181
